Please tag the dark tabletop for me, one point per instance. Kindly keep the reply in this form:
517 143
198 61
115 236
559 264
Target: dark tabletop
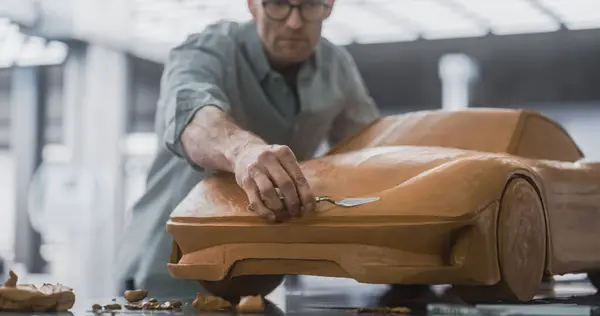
342 297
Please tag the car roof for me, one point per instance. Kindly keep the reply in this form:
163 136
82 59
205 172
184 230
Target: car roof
517 132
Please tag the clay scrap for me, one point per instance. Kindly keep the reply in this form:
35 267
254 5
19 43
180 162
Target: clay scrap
112 307
251 305
383 310
147 305
12 280
29 298
370 310
133 296
210 303
96 308
136 303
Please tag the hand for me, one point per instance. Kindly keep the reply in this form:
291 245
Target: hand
273 181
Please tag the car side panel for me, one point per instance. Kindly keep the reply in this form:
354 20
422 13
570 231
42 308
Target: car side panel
572 193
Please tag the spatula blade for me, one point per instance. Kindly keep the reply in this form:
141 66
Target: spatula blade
350 202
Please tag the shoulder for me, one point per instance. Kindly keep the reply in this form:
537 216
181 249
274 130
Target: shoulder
220 37
335 55
338 65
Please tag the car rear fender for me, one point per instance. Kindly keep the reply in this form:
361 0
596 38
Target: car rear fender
478 181
497 172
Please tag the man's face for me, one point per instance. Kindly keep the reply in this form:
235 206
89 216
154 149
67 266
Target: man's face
290 38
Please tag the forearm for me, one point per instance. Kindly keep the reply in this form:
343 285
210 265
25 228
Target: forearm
212 140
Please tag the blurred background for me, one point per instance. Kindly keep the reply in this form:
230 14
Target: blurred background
79 82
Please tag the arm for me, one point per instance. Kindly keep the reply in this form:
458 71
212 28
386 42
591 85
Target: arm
360 109
212 140
193 79
200 129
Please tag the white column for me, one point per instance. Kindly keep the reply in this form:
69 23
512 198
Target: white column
457 73
102 130
73 97
27 101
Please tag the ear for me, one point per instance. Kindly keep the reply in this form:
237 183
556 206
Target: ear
252 7
331 4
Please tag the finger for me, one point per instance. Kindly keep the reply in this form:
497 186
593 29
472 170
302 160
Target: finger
291 166
256 204
286 186
267 192
307 197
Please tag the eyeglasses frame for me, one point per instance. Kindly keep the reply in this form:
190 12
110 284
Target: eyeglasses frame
292 6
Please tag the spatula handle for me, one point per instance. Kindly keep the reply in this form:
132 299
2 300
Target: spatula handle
324 198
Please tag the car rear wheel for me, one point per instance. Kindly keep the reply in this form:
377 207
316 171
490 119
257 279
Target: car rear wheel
521 233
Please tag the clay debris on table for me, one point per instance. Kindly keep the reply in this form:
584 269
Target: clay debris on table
247 304
251 304
29 298
384 310
370 310
210 303
133 296
137 302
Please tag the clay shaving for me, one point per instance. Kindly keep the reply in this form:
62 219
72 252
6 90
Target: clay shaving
12 281
133 307
29 298
210 303
151 305
96 308
135 295
112 307
251 304
384 310
176 304
137 303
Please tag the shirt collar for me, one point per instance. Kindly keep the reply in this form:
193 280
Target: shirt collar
260 63
256 52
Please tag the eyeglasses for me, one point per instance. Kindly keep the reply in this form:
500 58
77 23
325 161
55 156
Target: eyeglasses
311 11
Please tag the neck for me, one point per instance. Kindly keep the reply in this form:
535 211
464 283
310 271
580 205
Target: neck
290 70
282 66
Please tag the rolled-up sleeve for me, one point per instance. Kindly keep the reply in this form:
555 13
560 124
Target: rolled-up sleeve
359 110
194 76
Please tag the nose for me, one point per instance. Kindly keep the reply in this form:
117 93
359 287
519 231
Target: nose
294 21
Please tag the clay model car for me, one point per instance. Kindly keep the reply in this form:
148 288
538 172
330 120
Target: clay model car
487 200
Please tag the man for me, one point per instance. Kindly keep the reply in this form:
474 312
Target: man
248 98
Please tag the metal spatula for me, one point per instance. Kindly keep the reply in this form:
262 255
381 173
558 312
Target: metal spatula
349 202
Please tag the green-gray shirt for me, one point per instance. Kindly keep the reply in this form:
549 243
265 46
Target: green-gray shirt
226 66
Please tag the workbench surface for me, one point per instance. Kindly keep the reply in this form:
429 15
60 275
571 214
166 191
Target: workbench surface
317 296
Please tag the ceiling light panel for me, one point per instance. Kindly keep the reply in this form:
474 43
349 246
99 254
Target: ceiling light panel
366 26
19 49
168 19
575 14
431 18
511 16
37 51
11 43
